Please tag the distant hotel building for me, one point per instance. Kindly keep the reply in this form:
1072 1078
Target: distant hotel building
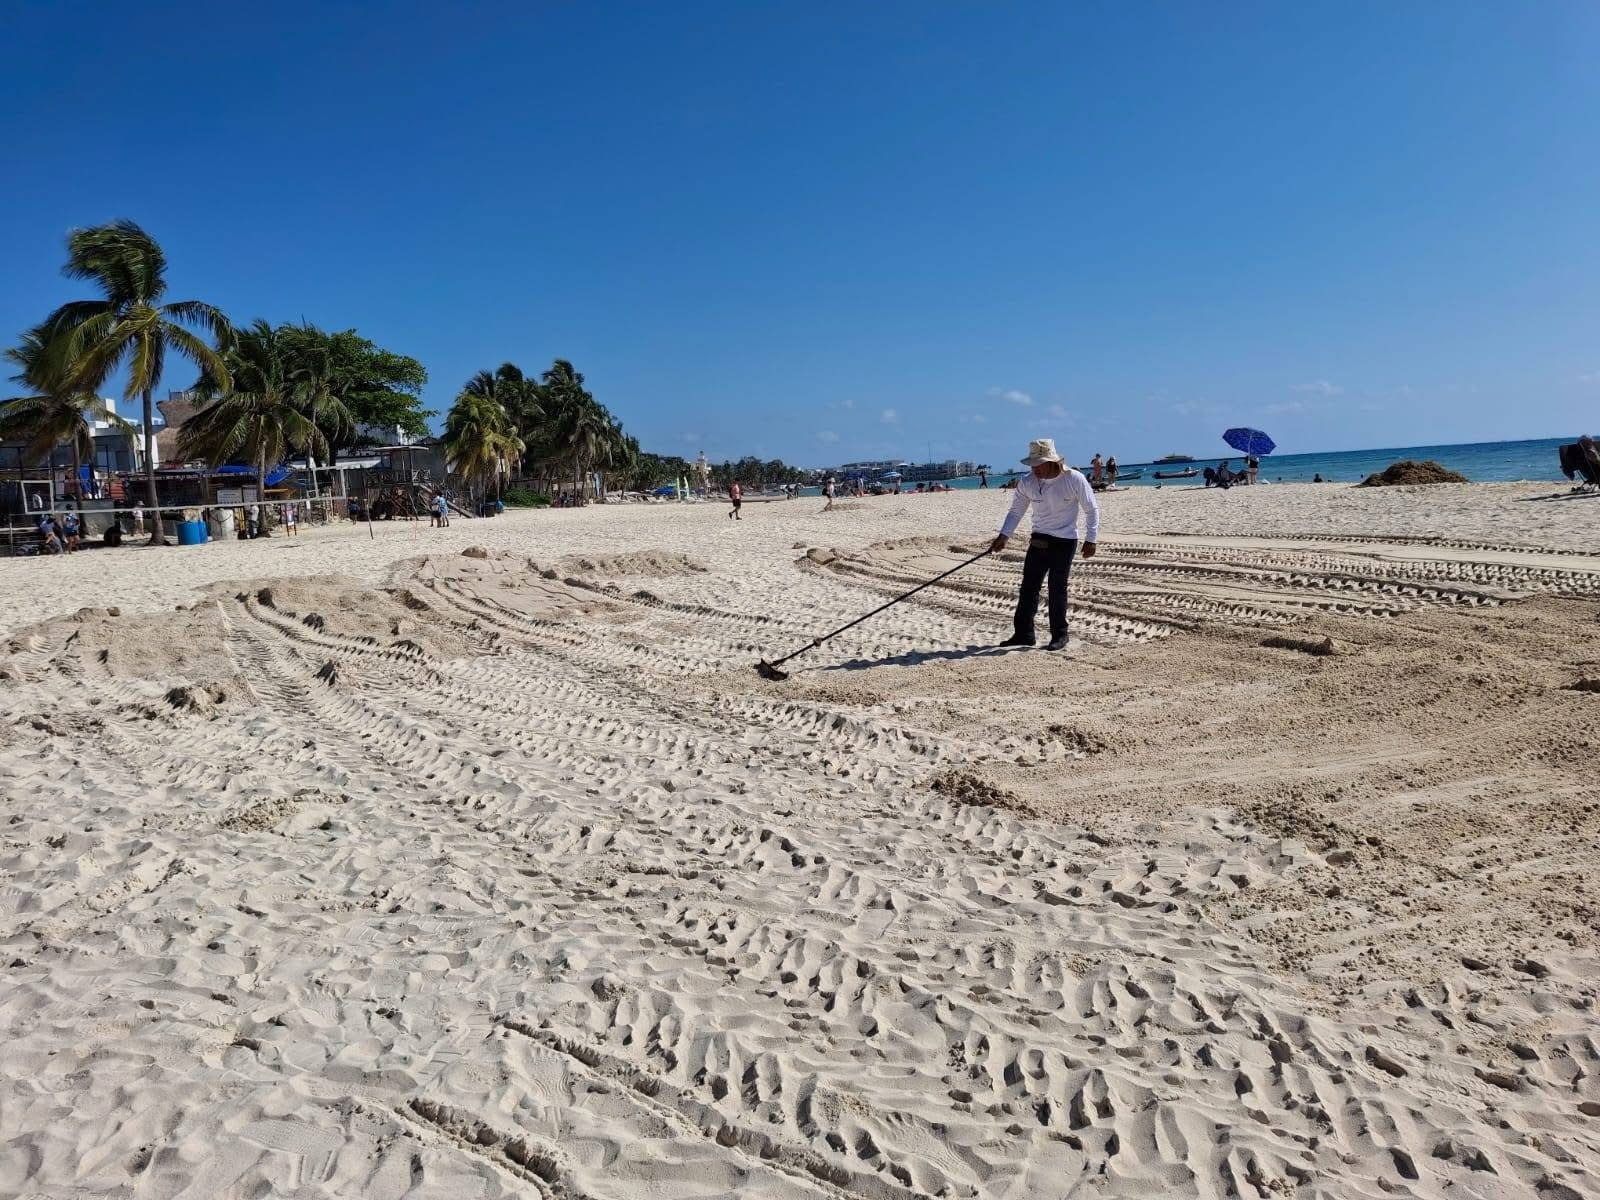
927 472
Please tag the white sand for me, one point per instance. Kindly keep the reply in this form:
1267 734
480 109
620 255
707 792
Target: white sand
456 876
136 579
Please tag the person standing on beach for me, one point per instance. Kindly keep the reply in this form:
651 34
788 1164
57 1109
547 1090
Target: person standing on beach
1057 494
138 518
983 479
827 490
291 520
1097 470
736 494
1111 471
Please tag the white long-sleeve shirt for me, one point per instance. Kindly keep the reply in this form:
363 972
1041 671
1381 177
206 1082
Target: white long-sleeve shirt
1056 504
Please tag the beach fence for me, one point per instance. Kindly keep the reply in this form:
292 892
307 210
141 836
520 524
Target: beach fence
216 522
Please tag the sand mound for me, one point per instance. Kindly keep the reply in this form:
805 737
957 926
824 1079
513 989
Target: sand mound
1407 471
963 787
649 562
1320 647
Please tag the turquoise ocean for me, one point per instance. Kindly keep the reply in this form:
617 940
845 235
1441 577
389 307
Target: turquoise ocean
1481 462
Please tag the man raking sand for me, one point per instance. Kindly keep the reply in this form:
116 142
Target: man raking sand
1057 494
1060 493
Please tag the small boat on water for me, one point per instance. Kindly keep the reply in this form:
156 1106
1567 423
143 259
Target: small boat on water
1177 474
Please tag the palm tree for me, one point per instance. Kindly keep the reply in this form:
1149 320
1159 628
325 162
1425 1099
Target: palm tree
627 458
275 402
579 433
513 391
480 440
54 412
129 326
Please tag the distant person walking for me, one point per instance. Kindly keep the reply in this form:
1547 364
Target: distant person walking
291 520
1058 495
138 518
983 479
1097 470
828 491
1252 468
1111 471
735 494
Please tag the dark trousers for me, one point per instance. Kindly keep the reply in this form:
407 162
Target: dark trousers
1050 556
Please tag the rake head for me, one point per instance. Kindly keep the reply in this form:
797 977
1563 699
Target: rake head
767 671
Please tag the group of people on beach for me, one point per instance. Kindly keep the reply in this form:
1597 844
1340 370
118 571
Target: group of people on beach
1103 472
1224 476
60 535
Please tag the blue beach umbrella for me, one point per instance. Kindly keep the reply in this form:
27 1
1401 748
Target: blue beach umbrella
1250 441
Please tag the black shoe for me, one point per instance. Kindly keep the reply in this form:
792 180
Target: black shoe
1016 639
1059 642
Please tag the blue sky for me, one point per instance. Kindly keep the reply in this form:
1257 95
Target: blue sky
826 232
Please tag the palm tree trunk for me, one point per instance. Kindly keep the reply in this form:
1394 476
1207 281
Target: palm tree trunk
158 535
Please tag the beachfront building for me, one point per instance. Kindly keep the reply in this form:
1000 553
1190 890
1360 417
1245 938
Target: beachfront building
928 472
34 484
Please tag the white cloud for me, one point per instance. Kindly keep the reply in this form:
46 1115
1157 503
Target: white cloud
1288 406
688 439
1589 377
828 437
849 403
1058 411
890 416
1321 386
1013 396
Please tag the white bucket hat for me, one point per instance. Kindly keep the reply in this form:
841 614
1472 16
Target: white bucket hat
1041 450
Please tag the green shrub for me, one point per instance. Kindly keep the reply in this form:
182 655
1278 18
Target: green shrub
523 498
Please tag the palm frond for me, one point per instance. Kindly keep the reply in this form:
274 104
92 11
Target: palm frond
203 316
145 362
95 349
122 258
195 350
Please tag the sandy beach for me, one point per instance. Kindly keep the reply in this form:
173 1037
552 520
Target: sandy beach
479 862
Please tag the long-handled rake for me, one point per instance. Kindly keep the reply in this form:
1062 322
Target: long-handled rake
769 670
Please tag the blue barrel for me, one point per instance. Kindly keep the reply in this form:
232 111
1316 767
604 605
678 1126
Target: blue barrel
191 533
